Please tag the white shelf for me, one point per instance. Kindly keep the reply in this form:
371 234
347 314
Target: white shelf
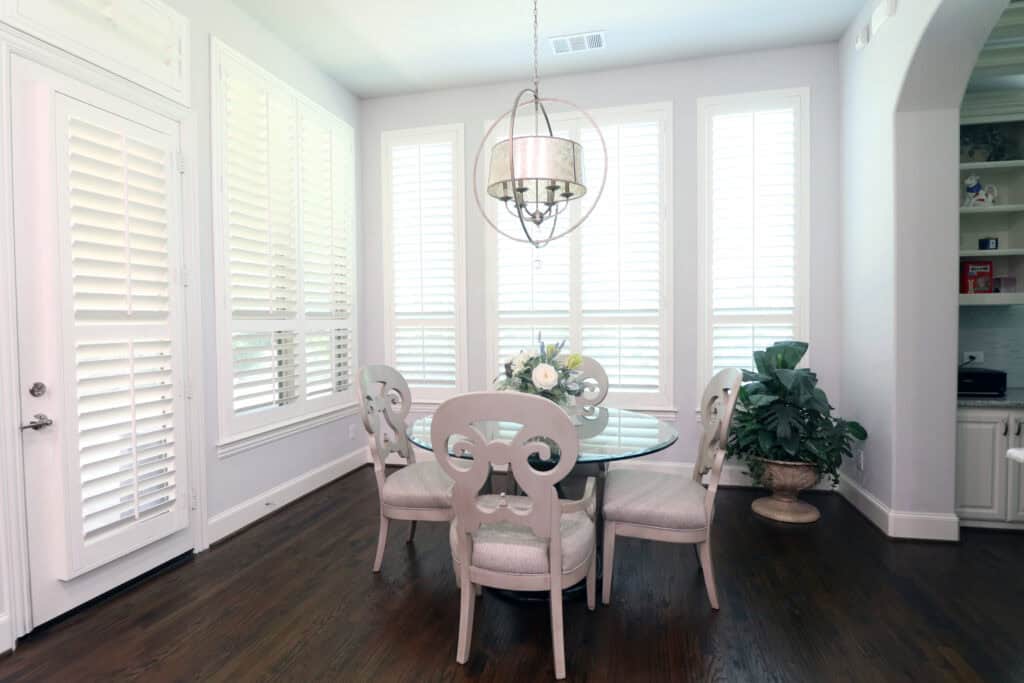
1001 299
991 252
997 208
991 165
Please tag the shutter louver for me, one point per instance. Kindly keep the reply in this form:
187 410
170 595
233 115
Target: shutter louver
423 251
118 213
288 177
752 208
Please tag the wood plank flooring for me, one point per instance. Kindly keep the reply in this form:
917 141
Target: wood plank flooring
293 599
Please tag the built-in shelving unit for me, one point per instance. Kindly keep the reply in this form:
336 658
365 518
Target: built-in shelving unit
995 208
991 165
990 253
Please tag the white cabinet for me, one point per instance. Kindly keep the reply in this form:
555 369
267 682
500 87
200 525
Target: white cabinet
982 437
989 488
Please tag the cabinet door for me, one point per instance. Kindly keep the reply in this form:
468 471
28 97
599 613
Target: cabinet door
982 438
1015 472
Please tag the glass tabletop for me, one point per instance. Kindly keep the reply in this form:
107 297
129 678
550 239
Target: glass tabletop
605 435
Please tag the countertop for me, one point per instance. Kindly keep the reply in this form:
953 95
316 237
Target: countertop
1014 399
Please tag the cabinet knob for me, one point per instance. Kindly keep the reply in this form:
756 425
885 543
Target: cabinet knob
1019 423
1006 427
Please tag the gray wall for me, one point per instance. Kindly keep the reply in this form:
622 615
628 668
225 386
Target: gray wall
681 83
235 479
998 332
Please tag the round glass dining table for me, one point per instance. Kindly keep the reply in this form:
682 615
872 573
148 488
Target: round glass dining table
605 434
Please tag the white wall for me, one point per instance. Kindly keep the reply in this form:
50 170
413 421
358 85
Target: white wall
900 111
244 476
681 83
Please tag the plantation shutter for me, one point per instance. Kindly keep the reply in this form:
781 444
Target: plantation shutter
752 207
600 288
120 219
621 256
423 207
287 182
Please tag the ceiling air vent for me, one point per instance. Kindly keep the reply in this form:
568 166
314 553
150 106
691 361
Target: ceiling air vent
578 42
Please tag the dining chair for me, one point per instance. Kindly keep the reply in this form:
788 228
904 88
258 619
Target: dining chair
532 542
674 508
419 491
594 380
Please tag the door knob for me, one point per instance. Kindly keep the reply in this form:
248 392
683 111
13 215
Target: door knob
39 421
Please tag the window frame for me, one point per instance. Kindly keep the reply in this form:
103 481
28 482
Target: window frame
662 401
237 433
707 107
453 133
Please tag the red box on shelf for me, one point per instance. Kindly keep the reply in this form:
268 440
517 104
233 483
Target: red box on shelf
976 277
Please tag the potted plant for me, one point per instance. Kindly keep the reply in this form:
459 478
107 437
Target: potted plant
545 373
784 431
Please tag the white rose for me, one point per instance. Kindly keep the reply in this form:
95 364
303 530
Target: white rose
544 376
519 361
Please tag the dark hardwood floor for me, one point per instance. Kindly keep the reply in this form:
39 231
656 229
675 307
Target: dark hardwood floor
292 598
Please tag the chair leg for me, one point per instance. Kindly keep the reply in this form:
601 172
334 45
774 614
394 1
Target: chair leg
412 531
467 604
609 562
592 582
696 553
382 540
557 634
704 551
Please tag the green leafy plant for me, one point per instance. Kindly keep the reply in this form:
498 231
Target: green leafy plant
781 414
545 373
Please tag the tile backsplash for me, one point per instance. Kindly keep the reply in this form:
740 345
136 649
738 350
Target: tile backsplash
998 332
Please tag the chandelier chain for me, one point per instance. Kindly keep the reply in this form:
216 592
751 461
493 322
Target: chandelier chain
536 67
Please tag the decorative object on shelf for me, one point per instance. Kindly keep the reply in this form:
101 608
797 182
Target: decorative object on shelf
984 142
978 194
543 373
535 177
1005 284
976 277
988 243
784 431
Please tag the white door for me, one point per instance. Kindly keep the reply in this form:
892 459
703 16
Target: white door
982 438
98 230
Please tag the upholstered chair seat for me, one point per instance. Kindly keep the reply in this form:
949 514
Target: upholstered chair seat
669 501
421 485
514 549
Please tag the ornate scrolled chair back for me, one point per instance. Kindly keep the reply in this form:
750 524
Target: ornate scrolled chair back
594 380
544 426
385 404
716 408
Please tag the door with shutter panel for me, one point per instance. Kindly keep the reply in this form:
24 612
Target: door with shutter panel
98 227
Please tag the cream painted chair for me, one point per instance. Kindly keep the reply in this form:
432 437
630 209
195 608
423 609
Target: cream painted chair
419 491
674 508
595 383
533 542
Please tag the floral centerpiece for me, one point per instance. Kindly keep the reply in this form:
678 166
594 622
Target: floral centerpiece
543 373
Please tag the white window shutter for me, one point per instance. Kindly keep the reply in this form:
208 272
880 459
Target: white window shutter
423 208
600 288
130 478
288 177
752 226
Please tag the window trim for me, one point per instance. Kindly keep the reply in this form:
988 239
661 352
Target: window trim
454 133
799 99
662 401
233 438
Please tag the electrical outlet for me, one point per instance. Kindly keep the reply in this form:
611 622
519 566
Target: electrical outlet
974 357
860 459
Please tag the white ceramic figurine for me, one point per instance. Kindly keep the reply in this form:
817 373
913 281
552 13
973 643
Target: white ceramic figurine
977 194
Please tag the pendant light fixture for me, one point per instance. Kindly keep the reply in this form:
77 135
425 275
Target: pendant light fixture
537 177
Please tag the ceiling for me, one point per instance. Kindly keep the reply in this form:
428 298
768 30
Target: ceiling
387 47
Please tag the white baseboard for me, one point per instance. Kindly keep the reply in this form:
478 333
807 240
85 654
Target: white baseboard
925 526
245 513
983 524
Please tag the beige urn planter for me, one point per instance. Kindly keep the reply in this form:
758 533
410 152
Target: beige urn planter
786 480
